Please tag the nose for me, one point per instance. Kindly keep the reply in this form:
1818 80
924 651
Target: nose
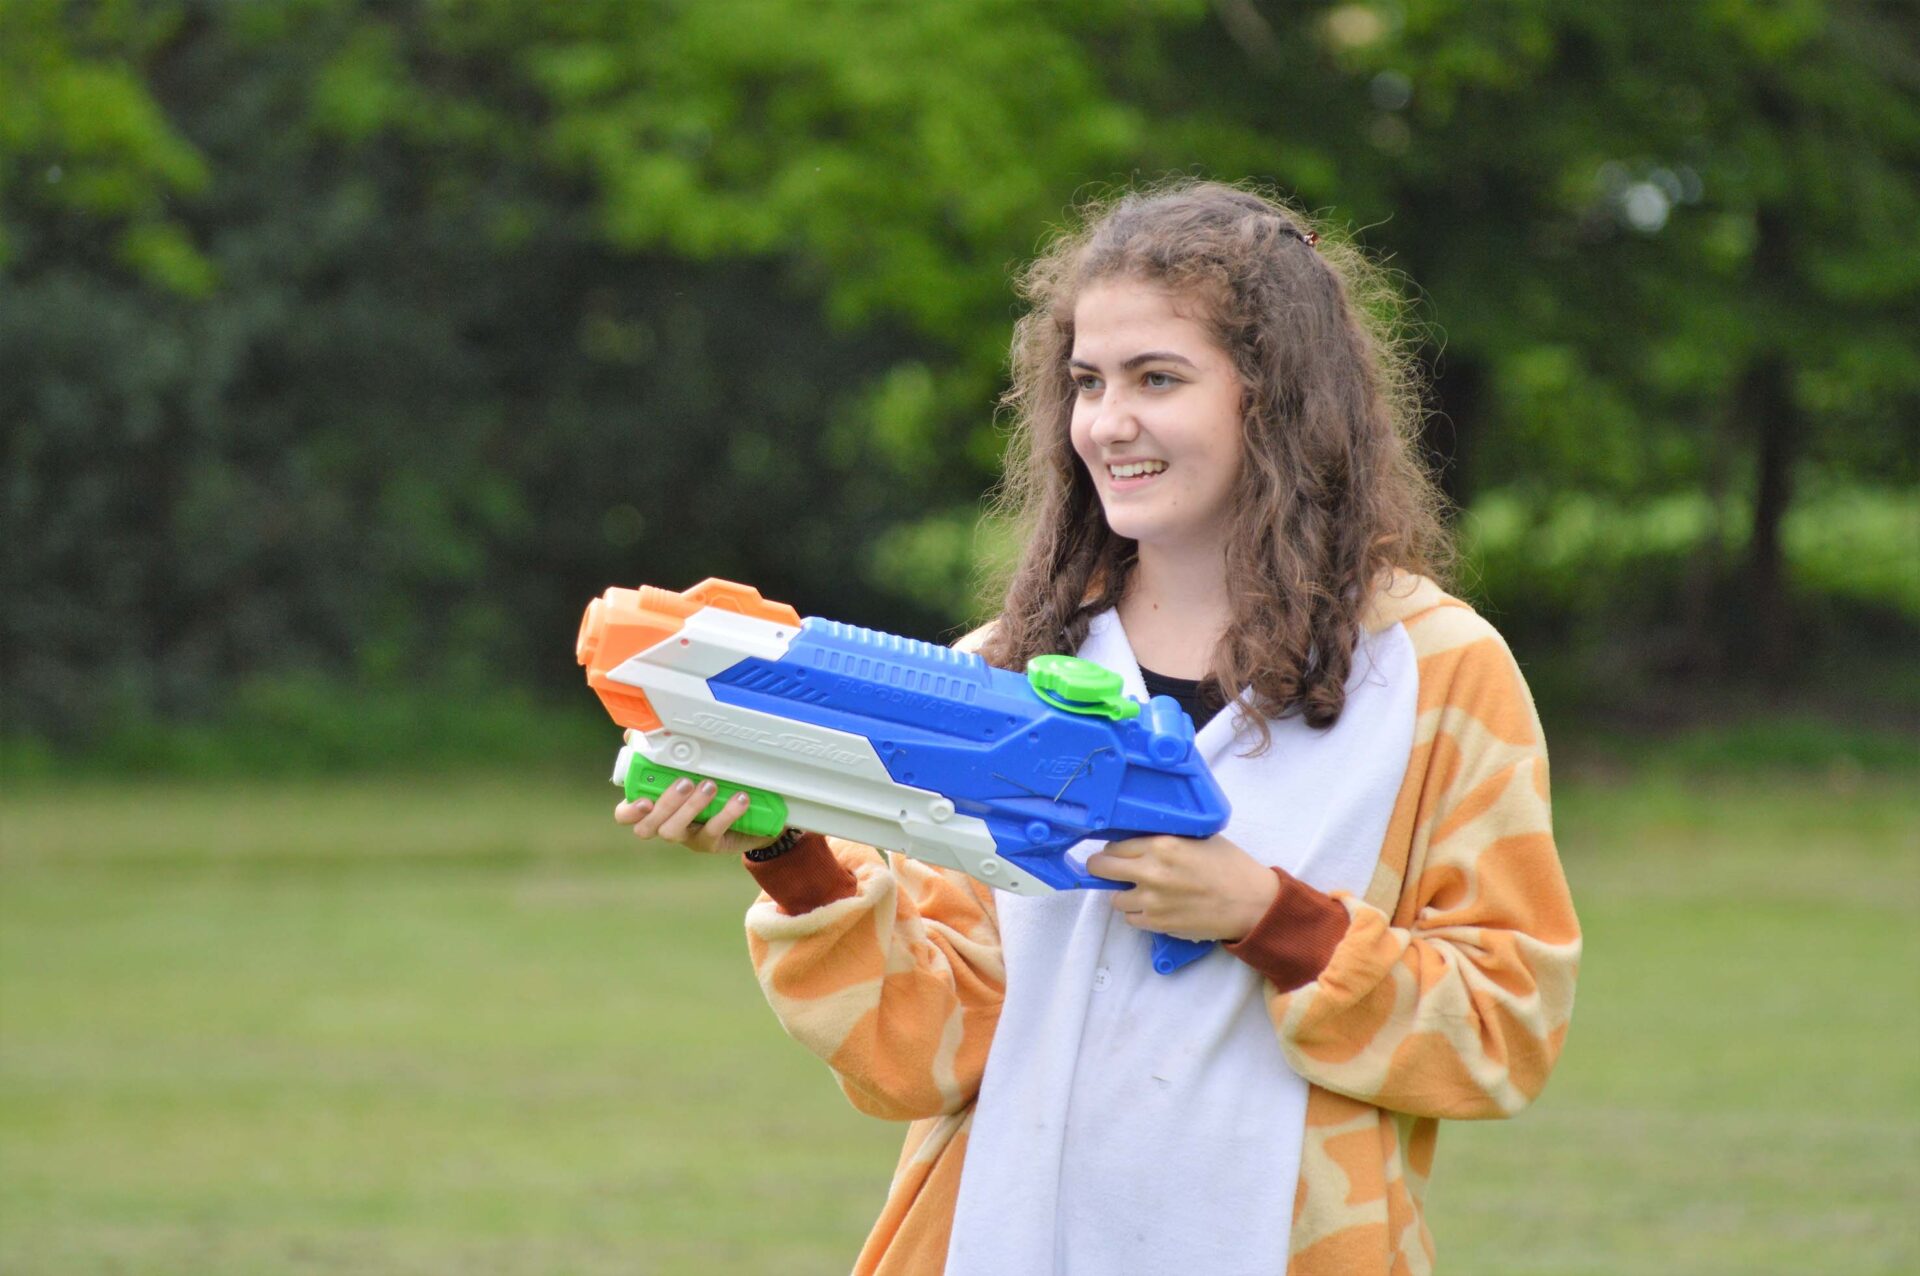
1114 420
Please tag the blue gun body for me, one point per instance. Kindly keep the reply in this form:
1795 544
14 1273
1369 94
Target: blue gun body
1043 777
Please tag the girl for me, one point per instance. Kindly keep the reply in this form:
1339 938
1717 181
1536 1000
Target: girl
1213 468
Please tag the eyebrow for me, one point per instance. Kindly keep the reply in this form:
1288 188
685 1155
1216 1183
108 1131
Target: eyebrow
1149 356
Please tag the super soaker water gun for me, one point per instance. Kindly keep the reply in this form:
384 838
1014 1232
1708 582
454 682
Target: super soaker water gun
893 742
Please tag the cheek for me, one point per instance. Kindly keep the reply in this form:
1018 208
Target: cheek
1079 435
1227 438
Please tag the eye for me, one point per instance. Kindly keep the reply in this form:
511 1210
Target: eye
1087 382
1166 380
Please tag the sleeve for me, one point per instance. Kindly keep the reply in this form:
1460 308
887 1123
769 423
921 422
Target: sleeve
897 985
887 968
1456 1004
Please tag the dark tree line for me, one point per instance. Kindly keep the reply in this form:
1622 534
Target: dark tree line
372 339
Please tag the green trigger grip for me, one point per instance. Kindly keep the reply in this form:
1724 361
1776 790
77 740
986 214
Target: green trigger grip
766 814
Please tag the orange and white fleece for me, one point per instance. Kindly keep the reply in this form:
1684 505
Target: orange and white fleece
1271 1108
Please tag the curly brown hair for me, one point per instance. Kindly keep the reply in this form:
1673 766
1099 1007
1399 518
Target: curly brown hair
1331 495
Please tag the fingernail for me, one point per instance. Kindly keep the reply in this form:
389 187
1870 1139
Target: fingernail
643 806
709 787
683 786
738 799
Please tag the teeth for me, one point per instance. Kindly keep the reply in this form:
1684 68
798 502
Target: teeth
1136 469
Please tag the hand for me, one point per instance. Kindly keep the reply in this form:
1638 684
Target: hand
1187 887
671 820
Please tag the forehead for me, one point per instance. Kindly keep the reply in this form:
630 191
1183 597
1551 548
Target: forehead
1118 316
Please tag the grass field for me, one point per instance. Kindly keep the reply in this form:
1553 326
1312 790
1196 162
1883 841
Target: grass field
427 1027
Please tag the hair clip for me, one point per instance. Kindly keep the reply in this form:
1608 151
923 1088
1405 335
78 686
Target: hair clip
1307 237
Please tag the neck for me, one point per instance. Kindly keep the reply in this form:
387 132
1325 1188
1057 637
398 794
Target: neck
1189 582
1176 608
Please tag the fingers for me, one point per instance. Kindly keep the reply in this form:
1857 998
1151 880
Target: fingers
1123 860
1114 868
648 818
1131 848
1133 860
674 827
712 836
673 817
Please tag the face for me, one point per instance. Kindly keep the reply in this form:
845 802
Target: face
1159 402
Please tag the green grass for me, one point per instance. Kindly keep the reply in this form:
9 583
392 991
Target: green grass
400 1027
1741 1088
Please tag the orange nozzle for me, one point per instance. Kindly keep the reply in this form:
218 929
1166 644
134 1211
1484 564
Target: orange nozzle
622 623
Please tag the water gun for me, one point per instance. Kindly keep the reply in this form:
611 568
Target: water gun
896 743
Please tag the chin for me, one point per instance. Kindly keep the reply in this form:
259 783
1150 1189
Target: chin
1133 529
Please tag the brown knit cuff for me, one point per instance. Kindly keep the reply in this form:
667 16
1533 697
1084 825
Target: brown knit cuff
1295 940
805 878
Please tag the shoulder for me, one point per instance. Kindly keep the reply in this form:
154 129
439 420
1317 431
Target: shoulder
1465 668
974 639
1435 621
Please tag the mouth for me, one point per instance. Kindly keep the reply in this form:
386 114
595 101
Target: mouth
1127 476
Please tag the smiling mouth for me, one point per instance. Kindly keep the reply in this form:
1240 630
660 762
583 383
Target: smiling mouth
1135 470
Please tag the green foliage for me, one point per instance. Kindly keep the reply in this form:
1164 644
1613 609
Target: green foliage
1578 552
1638 617
82 137
363 344
1859 543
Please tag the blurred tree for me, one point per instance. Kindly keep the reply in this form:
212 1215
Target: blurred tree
1669 246
1588 196
373 338
424 414
83 143
1649 214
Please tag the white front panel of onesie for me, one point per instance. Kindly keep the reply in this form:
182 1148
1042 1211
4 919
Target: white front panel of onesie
1134 1122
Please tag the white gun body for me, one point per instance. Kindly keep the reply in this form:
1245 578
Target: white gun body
833 781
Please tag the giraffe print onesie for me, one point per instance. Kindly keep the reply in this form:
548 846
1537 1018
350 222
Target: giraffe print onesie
1274 1107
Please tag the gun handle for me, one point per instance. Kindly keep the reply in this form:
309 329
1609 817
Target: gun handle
642 777
1170 954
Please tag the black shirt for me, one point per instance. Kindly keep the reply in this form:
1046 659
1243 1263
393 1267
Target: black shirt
1200 697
